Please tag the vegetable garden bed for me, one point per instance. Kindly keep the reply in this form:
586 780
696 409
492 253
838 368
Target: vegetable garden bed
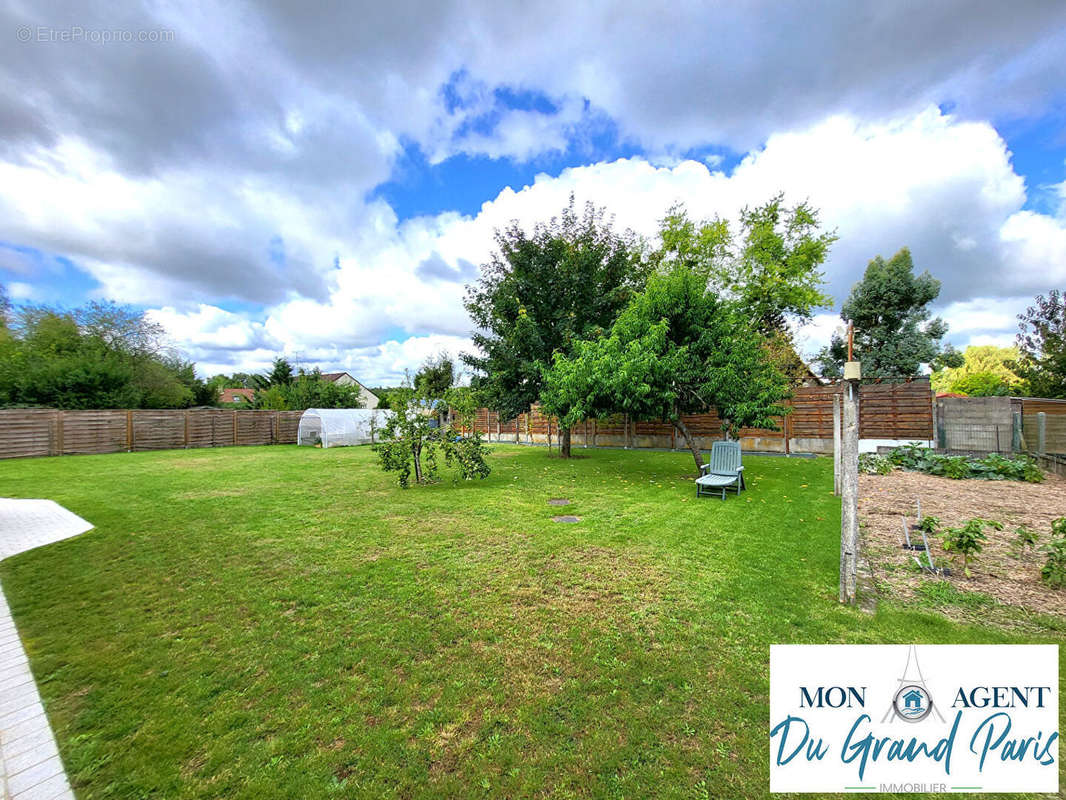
1000 574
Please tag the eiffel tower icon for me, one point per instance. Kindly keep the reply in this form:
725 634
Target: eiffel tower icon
905 682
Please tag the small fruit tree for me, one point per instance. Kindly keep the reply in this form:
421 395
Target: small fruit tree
412 439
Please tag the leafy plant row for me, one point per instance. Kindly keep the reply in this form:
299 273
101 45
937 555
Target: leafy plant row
967 540
993 467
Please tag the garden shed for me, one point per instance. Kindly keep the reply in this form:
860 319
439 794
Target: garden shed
338 427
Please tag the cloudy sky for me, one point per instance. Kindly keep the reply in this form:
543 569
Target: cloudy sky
320 180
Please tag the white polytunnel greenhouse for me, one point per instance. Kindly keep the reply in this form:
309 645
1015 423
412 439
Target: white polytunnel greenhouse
337 427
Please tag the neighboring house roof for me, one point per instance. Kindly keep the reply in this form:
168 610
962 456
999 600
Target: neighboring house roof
237 396
333 377
346 379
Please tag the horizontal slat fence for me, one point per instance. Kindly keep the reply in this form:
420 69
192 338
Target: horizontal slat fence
1054 412
48 432
887 411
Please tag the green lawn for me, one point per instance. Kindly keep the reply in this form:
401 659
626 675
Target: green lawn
286 622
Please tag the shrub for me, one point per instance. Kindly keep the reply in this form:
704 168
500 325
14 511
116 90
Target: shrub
873 464
966 541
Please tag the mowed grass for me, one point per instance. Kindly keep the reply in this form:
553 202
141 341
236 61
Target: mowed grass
287 622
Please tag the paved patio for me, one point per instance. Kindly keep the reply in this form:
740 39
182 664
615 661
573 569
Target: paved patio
32 768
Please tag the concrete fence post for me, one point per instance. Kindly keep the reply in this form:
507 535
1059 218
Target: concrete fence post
836 445
849 488
1041 432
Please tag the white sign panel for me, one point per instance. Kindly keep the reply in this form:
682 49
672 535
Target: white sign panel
914 718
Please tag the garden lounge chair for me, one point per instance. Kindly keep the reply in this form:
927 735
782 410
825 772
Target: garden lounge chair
724 472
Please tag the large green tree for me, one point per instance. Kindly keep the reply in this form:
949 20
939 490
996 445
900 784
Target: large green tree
776 274
771 266
436 376
1042 344
102 355
307 390
540 293
281 373
986 371
894 332
676 349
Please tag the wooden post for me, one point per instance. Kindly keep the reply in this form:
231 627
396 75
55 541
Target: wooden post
186 430
234 428
586 444
625 434
595 431
59 433
836 445
129 431
849 489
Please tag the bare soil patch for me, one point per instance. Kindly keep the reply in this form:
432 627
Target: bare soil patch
997 572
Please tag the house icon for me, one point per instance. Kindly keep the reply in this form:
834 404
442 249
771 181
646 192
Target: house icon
912 700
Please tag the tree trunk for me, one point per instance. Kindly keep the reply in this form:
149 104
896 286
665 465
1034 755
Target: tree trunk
687 436
564 442
416 453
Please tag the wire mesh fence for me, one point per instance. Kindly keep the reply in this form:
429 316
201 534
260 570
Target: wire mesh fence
977 437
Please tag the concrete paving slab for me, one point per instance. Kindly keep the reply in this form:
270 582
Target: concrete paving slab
30 766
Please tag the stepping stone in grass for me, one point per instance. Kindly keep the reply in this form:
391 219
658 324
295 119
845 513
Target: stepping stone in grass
558 501
566 519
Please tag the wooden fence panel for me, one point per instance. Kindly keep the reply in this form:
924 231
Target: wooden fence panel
539 423
254 427
896 411
703 424
812 411
93 431
1034 405
210 428
28 432
288 426
158 430
642 428
614 425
